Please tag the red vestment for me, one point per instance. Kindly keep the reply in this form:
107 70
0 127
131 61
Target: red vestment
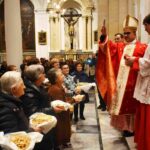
105 76
116 50
125 119
129 103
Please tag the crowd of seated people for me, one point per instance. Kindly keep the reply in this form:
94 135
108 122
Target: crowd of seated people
23 93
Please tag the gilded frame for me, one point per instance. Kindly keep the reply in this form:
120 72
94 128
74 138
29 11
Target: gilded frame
42 38
95 36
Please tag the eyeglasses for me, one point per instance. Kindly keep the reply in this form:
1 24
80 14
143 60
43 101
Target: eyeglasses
117 38
127 33
65 68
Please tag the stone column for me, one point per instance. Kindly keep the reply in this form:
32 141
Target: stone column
84 32
62 34
54 39
57 33
13 34
50 27
52 33
144 10
89 34
80 34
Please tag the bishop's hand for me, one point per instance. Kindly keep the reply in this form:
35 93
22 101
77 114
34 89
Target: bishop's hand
129 60
103 29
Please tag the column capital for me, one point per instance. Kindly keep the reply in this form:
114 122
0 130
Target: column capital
40 12
54 18
39 4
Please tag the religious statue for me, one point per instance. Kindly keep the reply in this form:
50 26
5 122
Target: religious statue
71 17
71 24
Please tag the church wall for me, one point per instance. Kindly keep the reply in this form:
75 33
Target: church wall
114 11
113 15
122 11
103 10
42 25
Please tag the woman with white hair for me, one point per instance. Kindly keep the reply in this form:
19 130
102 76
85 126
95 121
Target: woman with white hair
36 99
12 117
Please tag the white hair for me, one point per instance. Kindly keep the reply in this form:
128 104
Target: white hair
33 71
9 80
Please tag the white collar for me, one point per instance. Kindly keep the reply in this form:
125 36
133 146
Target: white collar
133 42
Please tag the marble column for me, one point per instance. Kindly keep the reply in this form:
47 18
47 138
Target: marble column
57 33
95 27
54 34
80 34
89 34
62 34
50 27
84 32
144 10
13 34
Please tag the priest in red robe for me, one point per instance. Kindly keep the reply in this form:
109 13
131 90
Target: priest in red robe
112 68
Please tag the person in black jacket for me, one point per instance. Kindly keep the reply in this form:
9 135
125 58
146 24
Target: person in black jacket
12 117
36 99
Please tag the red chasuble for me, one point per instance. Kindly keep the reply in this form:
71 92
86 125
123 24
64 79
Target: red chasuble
105 75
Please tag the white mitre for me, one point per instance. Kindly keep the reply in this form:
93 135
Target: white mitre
130 22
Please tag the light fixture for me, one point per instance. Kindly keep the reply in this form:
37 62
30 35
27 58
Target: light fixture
50 6
53 7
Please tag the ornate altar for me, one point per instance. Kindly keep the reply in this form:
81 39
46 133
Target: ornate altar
78 55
